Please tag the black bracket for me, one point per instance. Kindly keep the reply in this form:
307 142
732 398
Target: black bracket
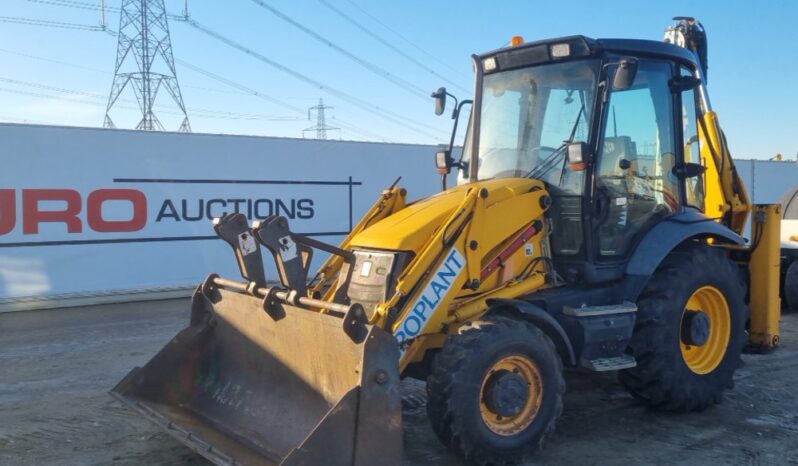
293 252
272 305
355 322
292 258
234 230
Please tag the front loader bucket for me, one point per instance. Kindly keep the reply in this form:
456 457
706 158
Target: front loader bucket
239 387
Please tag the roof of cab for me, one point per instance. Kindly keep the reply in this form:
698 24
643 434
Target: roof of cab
620 46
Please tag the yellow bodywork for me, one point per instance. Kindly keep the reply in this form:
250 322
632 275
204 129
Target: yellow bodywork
764 268
725 190
727 199
479 221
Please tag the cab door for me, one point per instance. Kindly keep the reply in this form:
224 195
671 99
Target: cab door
634 183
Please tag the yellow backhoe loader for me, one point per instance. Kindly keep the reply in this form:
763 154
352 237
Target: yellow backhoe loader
596 225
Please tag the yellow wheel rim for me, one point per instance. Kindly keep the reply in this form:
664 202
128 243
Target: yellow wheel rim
704 358
512 424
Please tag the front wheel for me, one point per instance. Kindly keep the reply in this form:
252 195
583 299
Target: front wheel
495 391
690 331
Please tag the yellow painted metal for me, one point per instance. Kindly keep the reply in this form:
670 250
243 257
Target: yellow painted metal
478 220
529 371
725 190
391 201
410 228
764 270
726 199
472 307
705 358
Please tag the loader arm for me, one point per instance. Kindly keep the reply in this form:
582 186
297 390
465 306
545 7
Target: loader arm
463 266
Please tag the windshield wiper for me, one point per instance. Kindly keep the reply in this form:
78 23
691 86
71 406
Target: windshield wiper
552 159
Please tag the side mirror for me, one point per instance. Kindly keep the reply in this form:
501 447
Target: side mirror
440 100
578 155
689 170
625 74
444 161
684 83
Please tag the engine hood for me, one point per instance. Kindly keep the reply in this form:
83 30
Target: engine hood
410 228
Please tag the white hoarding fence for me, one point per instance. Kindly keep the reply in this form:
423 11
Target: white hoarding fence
87 213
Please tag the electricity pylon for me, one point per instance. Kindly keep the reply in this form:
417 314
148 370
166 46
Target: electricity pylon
144 62
321 127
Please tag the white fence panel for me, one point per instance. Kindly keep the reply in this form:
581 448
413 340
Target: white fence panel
92 213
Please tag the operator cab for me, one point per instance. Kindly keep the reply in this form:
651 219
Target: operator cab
608 125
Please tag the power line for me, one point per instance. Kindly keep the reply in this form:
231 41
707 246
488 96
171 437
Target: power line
399 35
52 24
238 86
51 60
75 4
364 105
208 113
242 90
369 135
198 114
404 84
10 119
99 71
95 7
385 114
354 129
386 43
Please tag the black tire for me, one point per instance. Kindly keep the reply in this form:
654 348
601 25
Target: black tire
791 287
455 389
662 378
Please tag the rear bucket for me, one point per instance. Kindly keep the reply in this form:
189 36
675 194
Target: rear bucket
240 388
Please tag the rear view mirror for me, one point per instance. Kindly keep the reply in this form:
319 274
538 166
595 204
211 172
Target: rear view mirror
440 100
625 74
578 155
443 161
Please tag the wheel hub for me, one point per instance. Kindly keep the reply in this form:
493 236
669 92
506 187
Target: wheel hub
511 394
695 328
506 393
705 330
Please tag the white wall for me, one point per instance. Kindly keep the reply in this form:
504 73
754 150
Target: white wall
324 185
767 181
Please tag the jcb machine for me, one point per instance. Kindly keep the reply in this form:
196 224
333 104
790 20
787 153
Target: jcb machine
596 224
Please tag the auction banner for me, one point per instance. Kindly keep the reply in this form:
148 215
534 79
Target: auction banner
94 212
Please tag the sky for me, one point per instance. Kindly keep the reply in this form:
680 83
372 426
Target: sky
376 62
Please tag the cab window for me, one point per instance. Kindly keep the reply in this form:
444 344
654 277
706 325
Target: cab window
635 183
694 187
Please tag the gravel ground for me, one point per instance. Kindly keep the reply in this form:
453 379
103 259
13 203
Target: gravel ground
57 366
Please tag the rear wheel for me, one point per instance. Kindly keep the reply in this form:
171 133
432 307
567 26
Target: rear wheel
495 391
690 331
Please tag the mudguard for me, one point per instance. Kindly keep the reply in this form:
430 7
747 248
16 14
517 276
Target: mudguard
544 321
664 238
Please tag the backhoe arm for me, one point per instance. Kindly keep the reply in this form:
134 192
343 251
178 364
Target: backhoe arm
726 197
